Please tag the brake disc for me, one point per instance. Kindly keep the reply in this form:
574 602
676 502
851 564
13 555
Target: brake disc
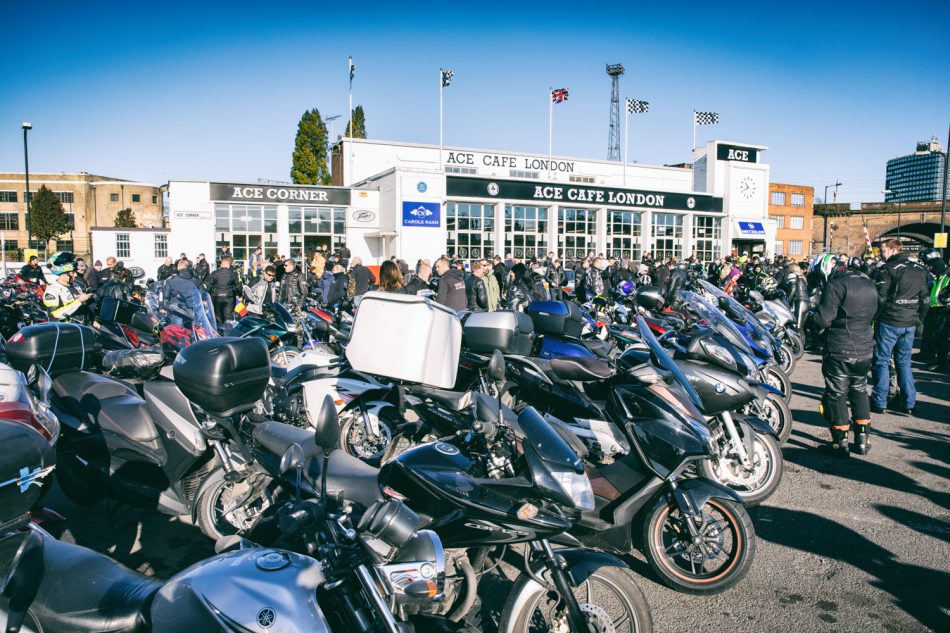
597 618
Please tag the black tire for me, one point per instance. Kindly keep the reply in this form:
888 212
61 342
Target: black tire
209 508
779 379
282 355
674 558
353 435
767 469
526 609
778 415
788 359
74 481
795 342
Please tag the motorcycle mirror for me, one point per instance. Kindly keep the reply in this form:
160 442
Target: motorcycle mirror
723 303
496 366
292 458
327 426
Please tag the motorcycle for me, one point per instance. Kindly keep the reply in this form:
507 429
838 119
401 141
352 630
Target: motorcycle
279 330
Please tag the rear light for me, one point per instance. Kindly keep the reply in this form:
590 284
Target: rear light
16 338
19 412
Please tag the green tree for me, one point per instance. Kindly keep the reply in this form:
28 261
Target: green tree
309 161
359 123
125 218
47 217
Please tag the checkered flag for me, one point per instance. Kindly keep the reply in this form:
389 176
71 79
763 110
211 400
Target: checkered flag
447 76
635 106
705 118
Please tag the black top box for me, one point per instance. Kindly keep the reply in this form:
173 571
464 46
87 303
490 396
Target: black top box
57 347
223 376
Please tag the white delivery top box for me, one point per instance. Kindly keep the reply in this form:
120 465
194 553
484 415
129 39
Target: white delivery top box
405 337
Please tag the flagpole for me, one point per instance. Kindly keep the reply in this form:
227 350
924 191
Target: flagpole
694 133
349 70
626 136
441 90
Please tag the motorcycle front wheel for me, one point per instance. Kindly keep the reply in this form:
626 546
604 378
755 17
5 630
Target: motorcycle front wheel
795 343
361 442
788 358
720 559
609 598
754 484
777 378
281 356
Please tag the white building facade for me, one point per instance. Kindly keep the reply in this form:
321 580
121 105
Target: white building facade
417 201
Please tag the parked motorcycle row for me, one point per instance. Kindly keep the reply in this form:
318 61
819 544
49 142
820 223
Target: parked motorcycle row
395 454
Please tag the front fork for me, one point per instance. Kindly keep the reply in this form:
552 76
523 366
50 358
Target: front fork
558 568
734 440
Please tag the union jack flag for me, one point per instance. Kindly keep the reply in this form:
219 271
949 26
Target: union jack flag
559 95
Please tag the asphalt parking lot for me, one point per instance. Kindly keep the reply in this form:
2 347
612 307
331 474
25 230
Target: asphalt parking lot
844 545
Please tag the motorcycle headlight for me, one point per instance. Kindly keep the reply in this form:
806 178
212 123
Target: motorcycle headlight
577 487
719 352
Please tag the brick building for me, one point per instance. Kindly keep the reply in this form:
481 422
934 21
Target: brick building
791 207
913 222
89 200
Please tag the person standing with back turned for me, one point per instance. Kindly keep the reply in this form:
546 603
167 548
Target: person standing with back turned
903 300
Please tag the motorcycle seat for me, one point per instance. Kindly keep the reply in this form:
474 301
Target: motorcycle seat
357 480
599 348
455 400
84 591
107 403
582 369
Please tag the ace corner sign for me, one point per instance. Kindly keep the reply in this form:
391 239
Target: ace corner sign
737 153
299 194
428 214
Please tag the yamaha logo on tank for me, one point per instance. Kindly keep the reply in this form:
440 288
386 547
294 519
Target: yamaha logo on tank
266 618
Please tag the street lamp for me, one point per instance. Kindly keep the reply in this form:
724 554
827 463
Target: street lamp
27 126
824 239
889 191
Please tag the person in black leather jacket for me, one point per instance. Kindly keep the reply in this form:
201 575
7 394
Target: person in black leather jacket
677 281
293 286
476 290
847 307
202 270
903 301
519 294
223 287
451 291
796 292
554 275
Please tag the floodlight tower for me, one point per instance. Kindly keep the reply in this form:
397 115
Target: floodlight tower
613 136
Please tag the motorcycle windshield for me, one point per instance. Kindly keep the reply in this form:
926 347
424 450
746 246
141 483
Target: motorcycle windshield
662 358
282 315
750 318
184 315
700 306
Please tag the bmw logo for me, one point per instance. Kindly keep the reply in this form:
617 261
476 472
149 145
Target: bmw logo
266 617
691 202
720 388
493 188
422 187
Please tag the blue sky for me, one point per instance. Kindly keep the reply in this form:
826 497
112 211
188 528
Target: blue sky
214 92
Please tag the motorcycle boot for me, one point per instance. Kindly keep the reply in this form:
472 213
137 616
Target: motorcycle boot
862 441
839 441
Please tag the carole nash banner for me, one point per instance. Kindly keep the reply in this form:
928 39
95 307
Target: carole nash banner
567 194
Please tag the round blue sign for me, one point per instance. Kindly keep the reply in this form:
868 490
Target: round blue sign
421 187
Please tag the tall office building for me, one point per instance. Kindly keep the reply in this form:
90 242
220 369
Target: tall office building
917 176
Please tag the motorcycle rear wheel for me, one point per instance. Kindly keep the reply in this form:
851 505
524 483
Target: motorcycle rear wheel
725 529
610 598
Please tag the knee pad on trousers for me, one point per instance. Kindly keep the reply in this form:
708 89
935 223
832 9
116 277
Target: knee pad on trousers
828 407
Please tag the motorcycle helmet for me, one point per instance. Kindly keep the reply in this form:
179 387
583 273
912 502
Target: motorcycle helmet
929 255
856 263
62 263
625 288
824 264
649 298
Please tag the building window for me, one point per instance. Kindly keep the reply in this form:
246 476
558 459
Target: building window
624 229
795 247
589 180
779 247
798 199
8 196
66 197
667 235
161 245
39 246
113 197
244 227
779 221
70 221
154 199
461 170
136 197
65 246
798 222
520 173
9 222
310 228
526 231
577 230
471 230
122 248
707 237
778 198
